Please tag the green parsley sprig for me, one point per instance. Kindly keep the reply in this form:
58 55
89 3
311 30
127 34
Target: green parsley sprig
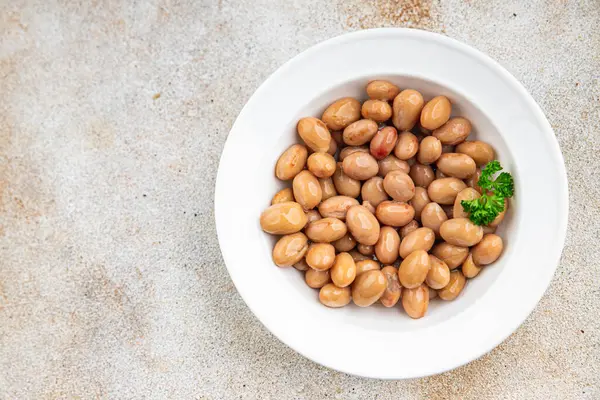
486 208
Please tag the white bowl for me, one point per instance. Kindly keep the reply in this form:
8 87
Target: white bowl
378 342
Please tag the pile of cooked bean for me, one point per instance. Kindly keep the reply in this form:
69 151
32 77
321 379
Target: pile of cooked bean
374 210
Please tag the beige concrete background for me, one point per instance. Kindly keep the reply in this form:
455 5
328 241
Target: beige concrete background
113 115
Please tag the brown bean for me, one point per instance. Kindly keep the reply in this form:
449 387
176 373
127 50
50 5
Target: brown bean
307 190
346 151
432 293
448 209
368 288
399 186
422 175
465 194
291 162
345 185
341 113
316 279
290 249
458 165
439 273
337 206
363 266
377 110
407 146
332 147
392 163
452 255
326 230
320 256
408 228
393 290
469 268
360 132
327 188
338 137
282 196
367 204
356 256
481 152
407 109
488 229
346 243
430 149
314 133
419 239
322 165
343 271
419 201
283 218
473 180
384 142
382 90
415 301
394 213
454 287
487 250
439 174
333 296
386 248
363 225
302 265
373 191
365 250
436 113
360 166
461 232
500 216
311 216
454 131
413 269
445 190
433 216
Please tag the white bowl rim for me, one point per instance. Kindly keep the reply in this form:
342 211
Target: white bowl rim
552 256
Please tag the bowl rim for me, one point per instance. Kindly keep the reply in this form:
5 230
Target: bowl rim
562 200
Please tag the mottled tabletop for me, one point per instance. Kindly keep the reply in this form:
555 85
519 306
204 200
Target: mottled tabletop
113 115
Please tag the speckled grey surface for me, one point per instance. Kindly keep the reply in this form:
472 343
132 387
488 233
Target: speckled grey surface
111 280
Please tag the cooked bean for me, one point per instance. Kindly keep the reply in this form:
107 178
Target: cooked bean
448 209
345 185
332 147
422 175
333 296
290 249
445 190
439 273
363 225
407 146
373 191
488 249
314 133
341 113
283 196
393 290
360 132
392 163
406 109
316 279
436 113
366 265
356 256
454 287
291 162
458 165
419 239
461 232
367 204
283 218
360 166
430 149
383 142
408 228
343 271
415 301
307 190
454 131
433 216
413 269
337 206
419 201
481 152
327 188
399 186
365 250
368 288
322 165
386 248
452 255
382 90
346 151
469 268
473 180
311 216
338 137
302 265
394 213
346 243
326 230
320 256
500 216
439 174
377 110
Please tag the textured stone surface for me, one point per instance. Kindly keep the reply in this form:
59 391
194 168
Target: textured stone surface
113 115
